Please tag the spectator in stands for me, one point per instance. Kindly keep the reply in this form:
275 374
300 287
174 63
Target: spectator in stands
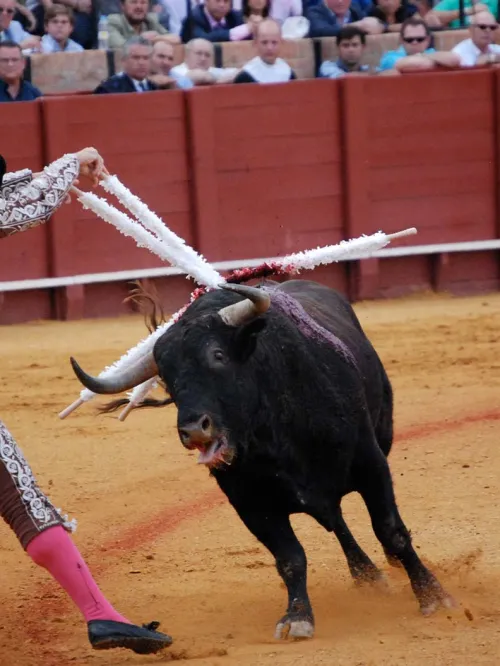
25 17
447 12
351 46
162 73
392 13
198 65
137 54
255 11
279 10
216 21
479 49
59 24
267 66
328 17
85 19
13 31
415 51
136 20
12 86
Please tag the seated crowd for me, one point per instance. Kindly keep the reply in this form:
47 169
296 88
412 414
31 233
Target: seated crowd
146 34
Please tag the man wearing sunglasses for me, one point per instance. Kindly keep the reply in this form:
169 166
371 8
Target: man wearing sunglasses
415 51
479 49
13 31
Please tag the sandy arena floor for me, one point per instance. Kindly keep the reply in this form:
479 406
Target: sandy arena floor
164 544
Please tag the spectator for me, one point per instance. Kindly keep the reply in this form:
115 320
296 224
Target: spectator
171 13
13 31
364 6
216 21
85 19
12 86
267 66
59 24
415 51
198 65
162 73
393 13
279 10
136 20
255 11
329 16
351 45
137 54
447 12
25 17
479 49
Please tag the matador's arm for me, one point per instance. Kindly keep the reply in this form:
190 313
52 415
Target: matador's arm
27 200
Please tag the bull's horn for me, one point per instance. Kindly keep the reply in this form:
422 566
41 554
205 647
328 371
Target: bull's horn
144 369
256 302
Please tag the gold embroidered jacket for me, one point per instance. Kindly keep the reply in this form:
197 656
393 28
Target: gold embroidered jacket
26 202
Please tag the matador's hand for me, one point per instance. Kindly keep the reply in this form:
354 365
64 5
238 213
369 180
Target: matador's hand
91 164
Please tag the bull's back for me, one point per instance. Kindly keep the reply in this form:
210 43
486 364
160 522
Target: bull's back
334 312
328 307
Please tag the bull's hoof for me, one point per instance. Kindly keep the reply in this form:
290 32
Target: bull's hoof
434 597
294 626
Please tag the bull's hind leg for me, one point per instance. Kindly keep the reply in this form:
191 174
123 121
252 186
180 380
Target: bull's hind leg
361 567
275 532
374 483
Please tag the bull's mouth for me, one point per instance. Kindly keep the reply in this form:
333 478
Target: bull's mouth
215 453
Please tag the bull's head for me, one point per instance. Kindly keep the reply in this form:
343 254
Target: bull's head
202 361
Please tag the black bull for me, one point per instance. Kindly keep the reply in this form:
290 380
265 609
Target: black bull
291 409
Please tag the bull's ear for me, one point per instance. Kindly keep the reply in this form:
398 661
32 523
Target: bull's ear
246 338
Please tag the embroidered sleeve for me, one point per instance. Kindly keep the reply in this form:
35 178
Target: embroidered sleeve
28 204
12 182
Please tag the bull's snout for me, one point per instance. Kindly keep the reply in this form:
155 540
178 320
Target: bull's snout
196 432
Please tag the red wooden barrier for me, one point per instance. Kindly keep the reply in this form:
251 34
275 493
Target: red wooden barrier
267 168
253 171
146 145
420 152
23 256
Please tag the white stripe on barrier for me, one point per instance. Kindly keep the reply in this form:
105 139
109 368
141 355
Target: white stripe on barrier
168 271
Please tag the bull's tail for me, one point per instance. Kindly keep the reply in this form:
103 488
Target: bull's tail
384 429
147 300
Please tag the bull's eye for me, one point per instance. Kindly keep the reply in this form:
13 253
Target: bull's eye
219 355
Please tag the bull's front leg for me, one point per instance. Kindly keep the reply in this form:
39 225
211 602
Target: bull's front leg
275 532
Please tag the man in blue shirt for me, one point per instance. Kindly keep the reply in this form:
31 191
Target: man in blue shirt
59 24
415 51
162 63
13 31
12 86
351 45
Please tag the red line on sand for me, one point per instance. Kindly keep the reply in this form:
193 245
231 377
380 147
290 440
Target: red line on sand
428 429
167 520
170 518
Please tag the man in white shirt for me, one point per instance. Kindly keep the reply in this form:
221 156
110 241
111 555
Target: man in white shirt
267 66
479 49
198 65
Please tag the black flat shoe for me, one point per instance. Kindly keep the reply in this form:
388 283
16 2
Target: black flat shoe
106 634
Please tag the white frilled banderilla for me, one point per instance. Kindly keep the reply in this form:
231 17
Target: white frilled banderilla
150 231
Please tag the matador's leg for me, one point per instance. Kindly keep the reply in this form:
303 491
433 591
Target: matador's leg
43 533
